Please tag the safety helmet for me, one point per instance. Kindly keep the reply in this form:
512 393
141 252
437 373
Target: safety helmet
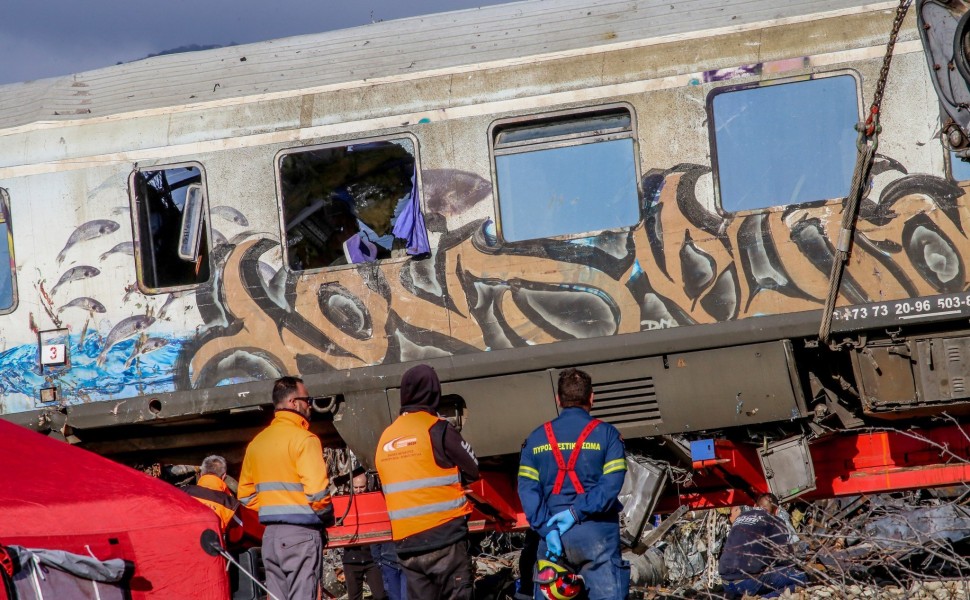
556 581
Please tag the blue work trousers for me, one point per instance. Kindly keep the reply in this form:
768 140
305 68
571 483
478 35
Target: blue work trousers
769 584
593 549
395 584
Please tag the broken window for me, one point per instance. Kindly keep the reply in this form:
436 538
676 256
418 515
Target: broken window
172 245
8 280
351 203
566 174
959 168
783 143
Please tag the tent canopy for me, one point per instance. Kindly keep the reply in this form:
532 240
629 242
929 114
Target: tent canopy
60 497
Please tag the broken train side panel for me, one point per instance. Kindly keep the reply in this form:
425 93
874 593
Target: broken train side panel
682 263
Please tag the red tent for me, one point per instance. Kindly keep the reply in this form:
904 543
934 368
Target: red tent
59 497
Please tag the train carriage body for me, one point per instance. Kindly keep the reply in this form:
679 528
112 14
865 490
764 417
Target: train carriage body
651 191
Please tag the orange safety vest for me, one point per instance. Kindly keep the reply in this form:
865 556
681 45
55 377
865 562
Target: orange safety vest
420 495
214 493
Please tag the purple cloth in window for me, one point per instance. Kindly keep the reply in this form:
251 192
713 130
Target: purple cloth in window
358 249
410 224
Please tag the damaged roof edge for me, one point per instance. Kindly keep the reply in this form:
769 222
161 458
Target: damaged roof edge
393 50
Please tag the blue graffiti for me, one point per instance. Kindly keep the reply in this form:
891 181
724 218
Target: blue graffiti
122 375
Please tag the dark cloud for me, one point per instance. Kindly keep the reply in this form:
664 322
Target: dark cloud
59 37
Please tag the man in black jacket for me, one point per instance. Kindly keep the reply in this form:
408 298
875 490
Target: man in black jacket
360 563
423 463
756 557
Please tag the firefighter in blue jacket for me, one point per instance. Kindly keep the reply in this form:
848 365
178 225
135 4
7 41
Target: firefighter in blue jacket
570 473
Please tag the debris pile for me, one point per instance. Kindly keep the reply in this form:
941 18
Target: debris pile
906 545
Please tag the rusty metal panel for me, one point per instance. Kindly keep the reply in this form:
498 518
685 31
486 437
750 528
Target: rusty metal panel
727 387
885 376
943 368
789 470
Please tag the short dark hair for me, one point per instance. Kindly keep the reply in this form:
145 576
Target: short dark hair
575 388
284 388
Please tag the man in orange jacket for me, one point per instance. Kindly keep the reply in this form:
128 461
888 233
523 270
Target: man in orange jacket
423 461
284 477
212 490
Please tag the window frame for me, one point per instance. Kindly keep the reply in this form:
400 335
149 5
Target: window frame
760 83
948 160
563 141
6 218
136 225
277 159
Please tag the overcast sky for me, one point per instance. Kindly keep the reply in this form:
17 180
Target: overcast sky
47 38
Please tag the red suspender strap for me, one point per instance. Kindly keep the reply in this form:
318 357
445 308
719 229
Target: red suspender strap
561 462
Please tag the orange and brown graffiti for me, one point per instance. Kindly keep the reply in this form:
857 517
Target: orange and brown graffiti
683 265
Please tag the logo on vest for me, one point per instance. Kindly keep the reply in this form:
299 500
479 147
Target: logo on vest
399 442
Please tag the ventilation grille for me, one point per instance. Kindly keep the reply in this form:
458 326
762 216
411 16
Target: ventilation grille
626 403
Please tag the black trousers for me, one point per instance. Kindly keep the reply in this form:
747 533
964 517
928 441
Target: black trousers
356 573
442 574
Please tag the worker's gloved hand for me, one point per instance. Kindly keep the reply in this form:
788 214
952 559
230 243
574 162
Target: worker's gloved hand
562 521
553 544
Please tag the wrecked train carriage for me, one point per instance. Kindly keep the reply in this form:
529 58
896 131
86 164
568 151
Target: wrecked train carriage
652 192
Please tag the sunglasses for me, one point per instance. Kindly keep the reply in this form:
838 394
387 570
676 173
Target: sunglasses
307 399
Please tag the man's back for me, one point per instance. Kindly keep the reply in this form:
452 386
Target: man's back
757 540
284 475
602 445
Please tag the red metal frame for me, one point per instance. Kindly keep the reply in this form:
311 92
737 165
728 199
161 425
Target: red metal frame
845 464
494 498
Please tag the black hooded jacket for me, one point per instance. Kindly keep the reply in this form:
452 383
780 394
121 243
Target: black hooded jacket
421 390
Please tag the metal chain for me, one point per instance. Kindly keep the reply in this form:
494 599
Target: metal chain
888 59
868 141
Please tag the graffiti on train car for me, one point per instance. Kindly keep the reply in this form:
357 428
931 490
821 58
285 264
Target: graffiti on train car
685 264
473 294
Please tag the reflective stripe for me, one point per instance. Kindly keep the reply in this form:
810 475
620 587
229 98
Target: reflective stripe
417 484
285 509
277 486
427 509
529 473
318 496
248 499
614 465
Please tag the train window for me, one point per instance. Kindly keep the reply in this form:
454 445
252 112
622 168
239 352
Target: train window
351 203
784 143
171 237
8 279
566 174
959 168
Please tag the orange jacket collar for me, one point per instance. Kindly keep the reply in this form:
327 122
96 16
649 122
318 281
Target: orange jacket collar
291 416
213 482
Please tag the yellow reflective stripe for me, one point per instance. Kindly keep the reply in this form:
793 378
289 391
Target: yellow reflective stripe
614 465
528 473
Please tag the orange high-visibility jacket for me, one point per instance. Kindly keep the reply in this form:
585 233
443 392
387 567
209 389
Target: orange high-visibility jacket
214 493
420 495
284 475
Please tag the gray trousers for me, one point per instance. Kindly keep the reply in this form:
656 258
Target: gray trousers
293 559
